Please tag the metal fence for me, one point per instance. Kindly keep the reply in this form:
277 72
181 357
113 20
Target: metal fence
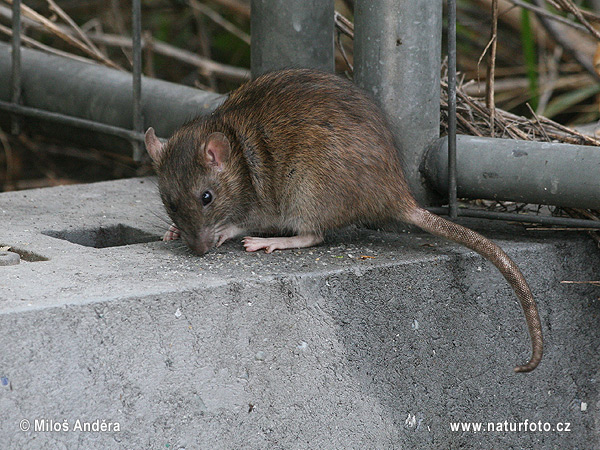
136 135
453 211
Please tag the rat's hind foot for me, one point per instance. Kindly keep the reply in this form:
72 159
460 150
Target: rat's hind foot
253 244
171 234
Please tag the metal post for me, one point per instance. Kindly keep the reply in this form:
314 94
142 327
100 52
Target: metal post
292 33
397 58
521 171
452 200
15 84
138 121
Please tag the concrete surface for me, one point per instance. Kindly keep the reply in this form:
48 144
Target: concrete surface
310 349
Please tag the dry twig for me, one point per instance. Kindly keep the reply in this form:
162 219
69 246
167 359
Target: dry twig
237 6
569 6
544 13
344 25
474 118
220 20
205 65
491 67
35 44
537 121
562 39
64 16
57 31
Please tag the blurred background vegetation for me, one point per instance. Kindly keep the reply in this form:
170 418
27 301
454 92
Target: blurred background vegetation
205 43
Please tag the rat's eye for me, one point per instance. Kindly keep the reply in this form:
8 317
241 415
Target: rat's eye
206 198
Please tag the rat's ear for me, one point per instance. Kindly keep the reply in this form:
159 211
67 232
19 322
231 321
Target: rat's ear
217 150
153 145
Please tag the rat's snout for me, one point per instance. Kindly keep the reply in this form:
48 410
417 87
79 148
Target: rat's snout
201 242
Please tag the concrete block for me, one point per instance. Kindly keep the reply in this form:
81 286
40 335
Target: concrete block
114 339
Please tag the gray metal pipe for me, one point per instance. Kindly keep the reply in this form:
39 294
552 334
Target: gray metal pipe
292 33
522 171
397 58
97 93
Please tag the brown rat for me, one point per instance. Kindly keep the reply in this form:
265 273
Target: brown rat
299 152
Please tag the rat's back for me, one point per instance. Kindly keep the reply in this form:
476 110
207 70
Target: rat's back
297 101
321 141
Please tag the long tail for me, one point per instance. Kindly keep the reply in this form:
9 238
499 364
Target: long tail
486 248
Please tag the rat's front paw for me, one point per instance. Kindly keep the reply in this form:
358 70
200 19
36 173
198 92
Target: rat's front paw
171 234
227 233
253 244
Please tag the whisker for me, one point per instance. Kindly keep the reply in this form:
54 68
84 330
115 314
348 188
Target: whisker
161 218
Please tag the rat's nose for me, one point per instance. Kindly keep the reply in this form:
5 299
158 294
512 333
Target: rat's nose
198 248
201 243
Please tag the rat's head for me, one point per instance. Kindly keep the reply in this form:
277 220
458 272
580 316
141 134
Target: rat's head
200 182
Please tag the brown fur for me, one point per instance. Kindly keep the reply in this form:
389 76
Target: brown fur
310 152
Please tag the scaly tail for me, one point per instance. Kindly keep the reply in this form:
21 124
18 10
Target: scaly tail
490 251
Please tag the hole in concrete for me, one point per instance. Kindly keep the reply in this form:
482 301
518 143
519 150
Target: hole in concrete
24 254
104 237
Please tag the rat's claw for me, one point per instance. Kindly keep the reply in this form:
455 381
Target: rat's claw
252 244
171 234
